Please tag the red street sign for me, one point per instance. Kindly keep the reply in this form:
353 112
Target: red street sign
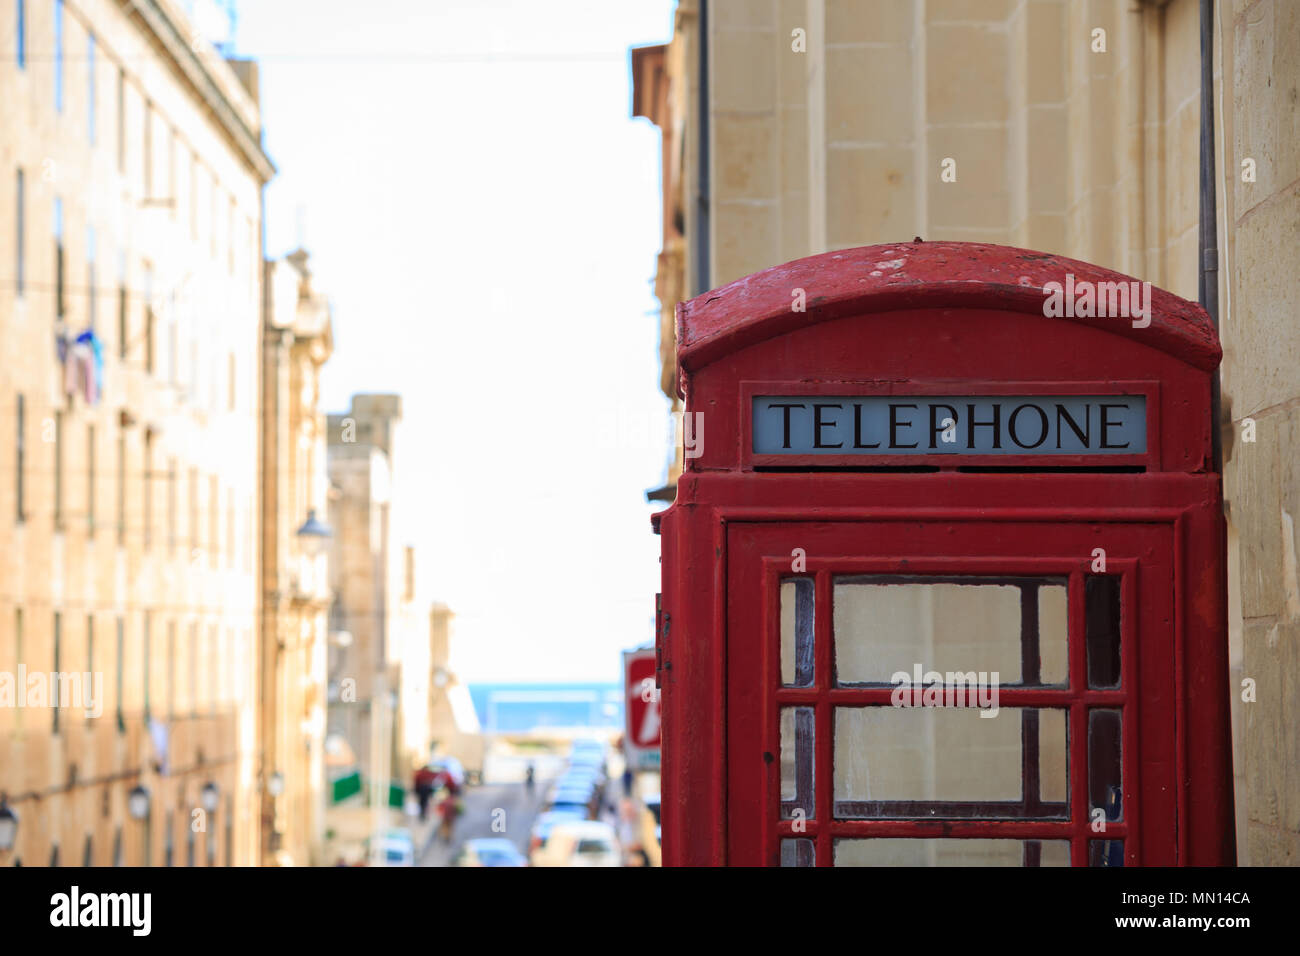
642 709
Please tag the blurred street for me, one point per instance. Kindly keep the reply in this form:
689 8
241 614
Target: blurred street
503 790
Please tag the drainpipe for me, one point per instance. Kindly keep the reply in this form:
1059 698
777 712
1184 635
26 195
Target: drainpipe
703 278
1208 282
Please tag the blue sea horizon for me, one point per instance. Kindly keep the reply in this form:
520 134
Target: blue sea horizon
517 708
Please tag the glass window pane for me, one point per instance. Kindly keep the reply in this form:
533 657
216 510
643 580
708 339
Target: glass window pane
1105 762
943 762
797 728
945 851
1101 600
1053 625
798 852
1105 852
797 632
890 624
1047 853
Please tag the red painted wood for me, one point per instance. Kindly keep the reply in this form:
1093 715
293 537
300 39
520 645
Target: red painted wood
928 275
953 318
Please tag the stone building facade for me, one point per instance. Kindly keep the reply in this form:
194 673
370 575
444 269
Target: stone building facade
295 587
132 171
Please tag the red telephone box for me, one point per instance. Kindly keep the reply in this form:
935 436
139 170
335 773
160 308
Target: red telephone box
944 581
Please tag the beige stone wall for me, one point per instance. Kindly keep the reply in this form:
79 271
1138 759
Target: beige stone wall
108 541
1261 376
1057 147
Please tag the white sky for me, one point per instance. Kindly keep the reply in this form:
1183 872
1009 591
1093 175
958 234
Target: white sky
484 215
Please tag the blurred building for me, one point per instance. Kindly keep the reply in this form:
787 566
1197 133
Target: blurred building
795 127
130 225
379 661
453 722
298 340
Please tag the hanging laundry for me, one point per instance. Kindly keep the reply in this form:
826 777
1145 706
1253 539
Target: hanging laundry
71 368
93 358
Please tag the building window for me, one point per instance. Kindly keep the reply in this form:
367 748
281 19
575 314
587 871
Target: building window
148 150
59 304
119 673
121 486
21 34
90 275
58 55
123 322
117 847
58 470
170 838
171 172
172 341
194 511
20 222
18 662
230 831
54 856
88 852
214 669
144 663
146 505
171 506
90 479
214 531
171 669
20 458
189 846
90 86
58 666
121 120
194 668
150 353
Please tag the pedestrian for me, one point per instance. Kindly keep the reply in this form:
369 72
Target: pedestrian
425 780
529 777
448 810
627 781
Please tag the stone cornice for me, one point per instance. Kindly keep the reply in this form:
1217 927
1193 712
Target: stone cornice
210 78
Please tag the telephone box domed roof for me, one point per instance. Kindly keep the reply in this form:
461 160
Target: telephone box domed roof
921 275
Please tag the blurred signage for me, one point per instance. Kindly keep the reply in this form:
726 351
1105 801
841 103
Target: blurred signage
950 424
641 736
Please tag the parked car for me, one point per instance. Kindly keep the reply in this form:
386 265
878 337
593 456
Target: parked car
543 826
490 851
580 843
586 797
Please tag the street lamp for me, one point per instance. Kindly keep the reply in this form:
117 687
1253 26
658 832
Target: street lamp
8 827
137 802
210 797
314 535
